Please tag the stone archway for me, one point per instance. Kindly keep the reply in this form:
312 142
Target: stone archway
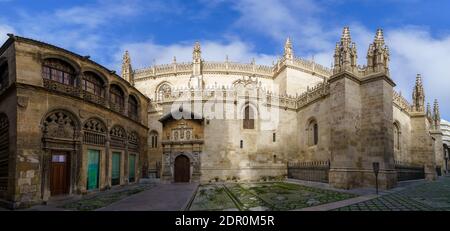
62 145
182 167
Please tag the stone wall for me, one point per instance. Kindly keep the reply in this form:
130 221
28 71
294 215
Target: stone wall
29 101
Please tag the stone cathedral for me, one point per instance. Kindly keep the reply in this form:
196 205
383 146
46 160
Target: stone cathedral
227 121
71 126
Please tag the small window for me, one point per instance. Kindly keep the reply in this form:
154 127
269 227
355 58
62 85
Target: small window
154 139
313 133
396 137
274 137
242 144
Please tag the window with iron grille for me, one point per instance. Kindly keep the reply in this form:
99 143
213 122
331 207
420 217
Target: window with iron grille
154 139
313 133
93 84
117 96
58 71
133 108
4 75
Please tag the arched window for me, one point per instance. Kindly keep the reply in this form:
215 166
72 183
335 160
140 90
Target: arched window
93 84
154 139
133 111
58 71
249 118
4 152
313 133
396 136
116 98
164 90
4 75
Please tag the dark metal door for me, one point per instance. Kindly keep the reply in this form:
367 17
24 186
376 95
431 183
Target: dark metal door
182 169
59 174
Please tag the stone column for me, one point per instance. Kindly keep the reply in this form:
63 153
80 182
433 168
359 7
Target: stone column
106 87
126 171
126 105
79 85
108 162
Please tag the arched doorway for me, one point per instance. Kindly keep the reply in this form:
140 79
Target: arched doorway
60 137
182 169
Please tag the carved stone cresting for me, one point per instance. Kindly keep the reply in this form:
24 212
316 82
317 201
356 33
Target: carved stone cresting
60 125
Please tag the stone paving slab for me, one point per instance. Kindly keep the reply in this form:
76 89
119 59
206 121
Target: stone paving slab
425 196
163 197
339 204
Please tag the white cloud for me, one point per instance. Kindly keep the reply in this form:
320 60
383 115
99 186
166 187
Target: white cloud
4 30
414 50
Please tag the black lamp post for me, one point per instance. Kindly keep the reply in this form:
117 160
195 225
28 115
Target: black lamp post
376 169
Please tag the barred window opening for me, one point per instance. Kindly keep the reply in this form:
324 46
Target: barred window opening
4 75
93 84
58 71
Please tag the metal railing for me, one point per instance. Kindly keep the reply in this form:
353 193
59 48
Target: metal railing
408 171
317 171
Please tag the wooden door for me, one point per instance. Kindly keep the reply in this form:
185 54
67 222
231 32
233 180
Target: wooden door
59 174
93 169
182 169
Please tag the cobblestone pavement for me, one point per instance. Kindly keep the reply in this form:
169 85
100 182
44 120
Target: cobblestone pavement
427 196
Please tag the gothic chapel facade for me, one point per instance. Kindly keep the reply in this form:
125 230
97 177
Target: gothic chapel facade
71 126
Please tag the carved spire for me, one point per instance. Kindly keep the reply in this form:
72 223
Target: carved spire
127 71
197 60
197 53
429 110
288 51
345 53
436 115
378 55
418 95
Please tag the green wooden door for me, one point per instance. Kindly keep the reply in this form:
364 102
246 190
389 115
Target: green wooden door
115 174
131 168
93 169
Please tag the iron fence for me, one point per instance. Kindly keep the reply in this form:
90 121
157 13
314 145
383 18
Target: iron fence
309 171
407 171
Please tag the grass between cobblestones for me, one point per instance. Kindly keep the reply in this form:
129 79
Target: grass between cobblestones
102 199
262 196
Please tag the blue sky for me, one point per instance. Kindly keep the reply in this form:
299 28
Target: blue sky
417 32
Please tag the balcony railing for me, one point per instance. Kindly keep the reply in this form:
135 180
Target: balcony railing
59 87
94 98
75 91
116 107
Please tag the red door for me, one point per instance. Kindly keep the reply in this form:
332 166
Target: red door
59 174
182 169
